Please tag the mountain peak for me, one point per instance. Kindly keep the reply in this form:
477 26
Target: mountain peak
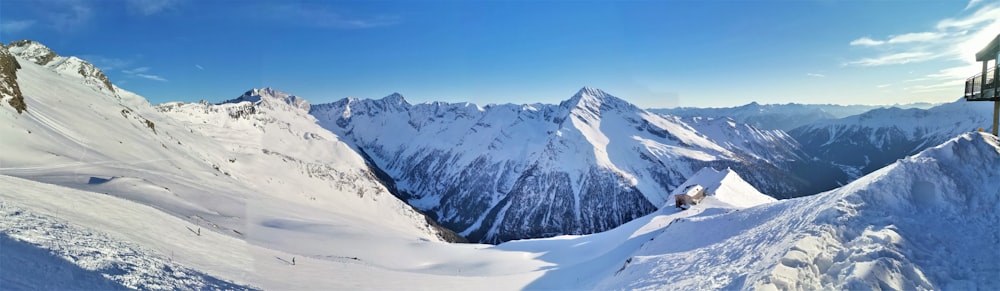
595 99
395 100
591 91
32 51
268 94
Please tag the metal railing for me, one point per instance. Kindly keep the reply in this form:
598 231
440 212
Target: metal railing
975 88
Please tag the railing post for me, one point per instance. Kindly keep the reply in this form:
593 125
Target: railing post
983 83
996 110
996 76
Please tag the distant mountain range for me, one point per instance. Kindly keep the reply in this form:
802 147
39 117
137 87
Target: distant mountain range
781 116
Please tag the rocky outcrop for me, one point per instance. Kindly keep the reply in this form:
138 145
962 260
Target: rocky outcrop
8 81
40 54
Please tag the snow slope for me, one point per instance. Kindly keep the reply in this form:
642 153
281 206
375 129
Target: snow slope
263 173
118 243
925 222
503 172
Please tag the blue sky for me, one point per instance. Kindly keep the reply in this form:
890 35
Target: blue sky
653 53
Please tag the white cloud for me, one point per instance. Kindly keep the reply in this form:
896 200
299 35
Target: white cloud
972 3
916 37
899 39
867 41
150 7
815 75
151 77
15 26
949 85
199 67
883 86
953 40
324 17
106 63
893 59
141 72
136 70
68 15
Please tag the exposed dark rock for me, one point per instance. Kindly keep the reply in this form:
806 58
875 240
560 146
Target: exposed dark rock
8 81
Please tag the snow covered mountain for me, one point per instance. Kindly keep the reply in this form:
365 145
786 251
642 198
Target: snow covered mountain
864 143
591 163
923 223
261 172
779 116
102 190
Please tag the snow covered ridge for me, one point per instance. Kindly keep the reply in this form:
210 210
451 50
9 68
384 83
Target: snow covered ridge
925 222
780 116
268 95
866 142
40 54
592 162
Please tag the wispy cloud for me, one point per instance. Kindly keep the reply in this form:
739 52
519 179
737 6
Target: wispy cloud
893 59
815 75
199 67
953 41
972 3
68 15
867 41
321 16
136 70
150 7
151 77
15 26
107 63
142 72
899 39
883 86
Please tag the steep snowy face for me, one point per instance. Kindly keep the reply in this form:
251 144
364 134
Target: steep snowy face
37 53
270 96
925 222
864 143
772 145
504 172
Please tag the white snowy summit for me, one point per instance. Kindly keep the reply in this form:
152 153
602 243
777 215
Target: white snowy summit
268 95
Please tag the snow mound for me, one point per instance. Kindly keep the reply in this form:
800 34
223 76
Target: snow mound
727 187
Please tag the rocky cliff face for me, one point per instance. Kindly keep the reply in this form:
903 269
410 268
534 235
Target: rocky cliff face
9 90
